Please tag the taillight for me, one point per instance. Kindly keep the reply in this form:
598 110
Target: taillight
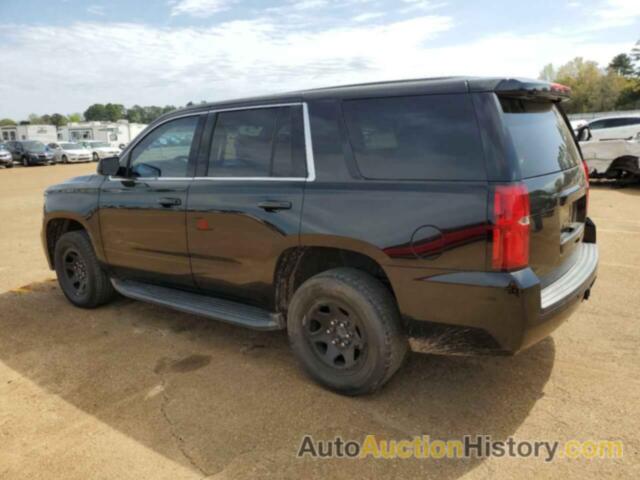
586 176
511 212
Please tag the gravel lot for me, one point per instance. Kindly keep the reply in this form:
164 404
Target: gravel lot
137 391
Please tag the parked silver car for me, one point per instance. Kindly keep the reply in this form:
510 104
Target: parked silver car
5 156
69 152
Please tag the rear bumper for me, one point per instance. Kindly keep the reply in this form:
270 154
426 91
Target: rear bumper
496 313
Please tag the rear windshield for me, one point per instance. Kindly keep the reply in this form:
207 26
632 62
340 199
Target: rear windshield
543 141
428 137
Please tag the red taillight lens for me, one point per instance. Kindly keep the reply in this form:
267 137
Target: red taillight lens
511 212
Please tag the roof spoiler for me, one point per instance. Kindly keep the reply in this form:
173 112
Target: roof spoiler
532 90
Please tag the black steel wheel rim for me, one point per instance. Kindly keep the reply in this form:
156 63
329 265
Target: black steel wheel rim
75 271
336 335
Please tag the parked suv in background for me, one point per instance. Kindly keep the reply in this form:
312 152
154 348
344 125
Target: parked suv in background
442 216
31 152
613 128
6 159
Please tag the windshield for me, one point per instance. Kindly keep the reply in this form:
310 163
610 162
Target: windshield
542 138
71 146
34 146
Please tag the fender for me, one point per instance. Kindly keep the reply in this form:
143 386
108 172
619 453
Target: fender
75 200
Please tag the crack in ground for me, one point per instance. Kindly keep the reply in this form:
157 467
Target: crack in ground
180 441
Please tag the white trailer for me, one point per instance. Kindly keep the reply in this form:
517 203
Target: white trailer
114 133
43 133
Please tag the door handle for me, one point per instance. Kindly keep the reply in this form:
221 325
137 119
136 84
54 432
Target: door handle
274 205
170 202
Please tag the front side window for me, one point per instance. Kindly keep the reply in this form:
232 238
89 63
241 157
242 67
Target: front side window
165 151
261 142
428 137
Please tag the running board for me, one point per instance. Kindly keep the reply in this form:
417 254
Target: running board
202 305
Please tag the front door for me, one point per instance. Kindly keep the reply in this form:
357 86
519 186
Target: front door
143 213
244 211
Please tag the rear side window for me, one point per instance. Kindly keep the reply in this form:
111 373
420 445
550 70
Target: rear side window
261 142
428 137
542 139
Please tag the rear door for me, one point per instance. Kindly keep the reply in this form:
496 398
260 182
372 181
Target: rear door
143 213
550 166
244 207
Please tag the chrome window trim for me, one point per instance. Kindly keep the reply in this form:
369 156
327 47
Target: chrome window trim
308 144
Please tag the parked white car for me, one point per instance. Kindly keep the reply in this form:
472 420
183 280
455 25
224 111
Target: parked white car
100 149
609 128
611 158
69 152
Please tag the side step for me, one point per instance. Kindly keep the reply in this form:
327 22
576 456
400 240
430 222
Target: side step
205 306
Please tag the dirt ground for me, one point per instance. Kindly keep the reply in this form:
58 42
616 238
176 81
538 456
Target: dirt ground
134 391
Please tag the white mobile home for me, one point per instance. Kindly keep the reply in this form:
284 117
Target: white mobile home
43 133
113 133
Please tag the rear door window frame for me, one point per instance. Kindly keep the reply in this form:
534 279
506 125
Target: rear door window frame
207 140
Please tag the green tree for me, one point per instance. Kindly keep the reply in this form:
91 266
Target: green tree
114 112
7 122
34 119
622 64
75 117
548 73
59 120
135 114
96 112
592 89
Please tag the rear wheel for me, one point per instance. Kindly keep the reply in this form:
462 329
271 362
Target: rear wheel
25 161
344 327
95 157
81 278
9 165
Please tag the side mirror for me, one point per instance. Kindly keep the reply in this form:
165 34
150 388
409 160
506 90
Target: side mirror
584 134
109 166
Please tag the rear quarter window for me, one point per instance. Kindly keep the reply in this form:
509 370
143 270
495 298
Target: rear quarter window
427 137
542 139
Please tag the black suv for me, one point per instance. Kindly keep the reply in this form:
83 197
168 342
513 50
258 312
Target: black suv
442 216
30 152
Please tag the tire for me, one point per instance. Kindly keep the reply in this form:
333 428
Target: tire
65 159
9 165
370 348
25 162
95 157
80 276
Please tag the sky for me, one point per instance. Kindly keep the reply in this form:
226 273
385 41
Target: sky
62 56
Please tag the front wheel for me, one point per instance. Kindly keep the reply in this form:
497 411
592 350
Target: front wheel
65 159
25 161
81 278
95 157
344 328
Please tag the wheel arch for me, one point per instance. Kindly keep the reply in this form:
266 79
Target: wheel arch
625 163
297 264
57 225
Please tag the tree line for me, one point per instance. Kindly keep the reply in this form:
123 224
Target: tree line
110 112
596 89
